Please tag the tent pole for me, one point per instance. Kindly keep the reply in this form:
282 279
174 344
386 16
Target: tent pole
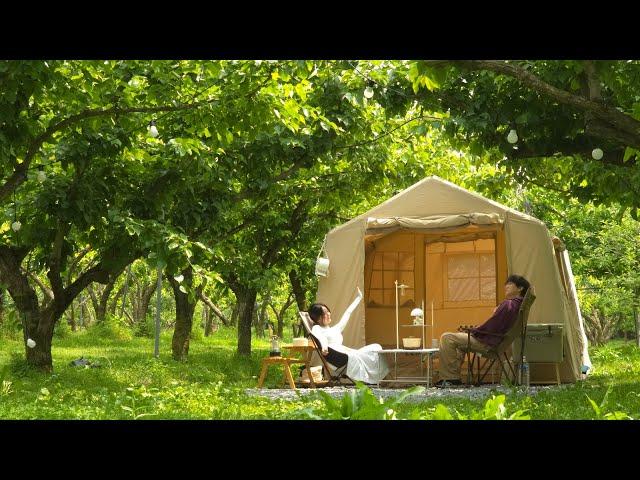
397 336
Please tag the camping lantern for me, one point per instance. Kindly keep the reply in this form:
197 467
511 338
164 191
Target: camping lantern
322 262
322 267
275 346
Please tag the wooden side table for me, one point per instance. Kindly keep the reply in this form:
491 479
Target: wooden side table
285 362
306 352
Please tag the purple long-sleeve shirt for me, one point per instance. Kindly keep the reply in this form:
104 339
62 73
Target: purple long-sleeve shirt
500 322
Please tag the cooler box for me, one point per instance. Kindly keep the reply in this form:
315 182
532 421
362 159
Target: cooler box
543 343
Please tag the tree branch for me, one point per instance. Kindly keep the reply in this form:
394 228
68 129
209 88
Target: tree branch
207 301
20 172
628 127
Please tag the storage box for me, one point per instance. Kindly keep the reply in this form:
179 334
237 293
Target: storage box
543 343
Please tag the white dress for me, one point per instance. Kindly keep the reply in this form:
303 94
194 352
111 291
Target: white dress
364 364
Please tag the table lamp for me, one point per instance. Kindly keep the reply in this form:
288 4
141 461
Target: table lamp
418 316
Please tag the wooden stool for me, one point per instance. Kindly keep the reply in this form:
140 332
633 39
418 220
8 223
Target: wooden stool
286 361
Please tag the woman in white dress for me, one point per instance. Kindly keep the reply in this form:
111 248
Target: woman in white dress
364 364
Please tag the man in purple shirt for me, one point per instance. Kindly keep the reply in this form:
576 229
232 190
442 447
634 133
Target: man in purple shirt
454 345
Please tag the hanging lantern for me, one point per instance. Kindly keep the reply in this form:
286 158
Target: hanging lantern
322 267
597 153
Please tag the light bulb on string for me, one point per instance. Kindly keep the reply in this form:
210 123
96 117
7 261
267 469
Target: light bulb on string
15 226
513 136
153 130
368 92
597 153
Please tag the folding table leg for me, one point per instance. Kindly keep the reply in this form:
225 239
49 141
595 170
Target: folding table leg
289 376
263 374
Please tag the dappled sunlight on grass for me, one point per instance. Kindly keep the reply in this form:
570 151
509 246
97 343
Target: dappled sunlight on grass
129 383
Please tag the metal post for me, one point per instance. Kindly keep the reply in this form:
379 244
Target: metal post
397 336
156 352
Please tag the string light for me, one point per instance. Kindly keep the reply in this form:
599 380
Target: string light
368 92
597 153
41 176
31 343
16 225
513 136
153 131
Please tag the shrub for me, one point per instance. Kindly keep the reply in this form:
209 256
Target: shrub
112 328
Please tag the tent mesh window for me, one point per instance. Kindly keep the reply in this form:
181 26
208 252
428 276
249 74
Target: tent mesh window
471 276
387 268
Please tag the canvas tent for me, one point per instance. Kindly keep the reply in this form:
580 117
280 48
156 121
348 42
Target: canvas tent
453 249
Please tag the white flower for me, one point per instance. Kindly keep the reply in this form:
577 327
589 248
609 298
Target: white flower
15 226
31 343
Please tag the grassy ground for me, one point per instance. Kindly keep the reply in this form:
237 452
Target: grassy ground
131 384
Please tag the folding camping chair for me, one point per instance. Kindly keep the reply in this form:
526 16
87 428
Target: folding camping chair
518 329
335 363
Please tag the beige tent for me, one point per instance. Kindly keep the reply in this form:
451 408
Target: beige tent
453 250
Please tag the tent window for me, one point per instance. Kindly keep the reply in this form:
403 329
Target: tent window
471 277
387 268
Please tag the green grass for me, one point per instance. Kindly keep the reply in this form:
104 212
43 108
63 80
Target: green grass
613 385
131 384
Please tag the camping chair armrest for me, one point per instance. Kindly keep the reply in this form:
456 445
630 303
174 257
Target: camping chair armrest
470 330
501 335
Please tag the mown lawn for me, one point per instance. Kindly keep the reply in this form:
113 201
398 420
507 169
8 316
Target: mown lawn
131 384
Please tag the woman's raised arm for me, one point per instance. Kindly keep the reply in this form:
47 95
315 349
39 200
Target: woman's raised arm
347 314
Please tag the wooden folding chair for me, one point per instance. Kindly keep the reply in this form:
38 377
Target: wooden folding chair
499 352
335 363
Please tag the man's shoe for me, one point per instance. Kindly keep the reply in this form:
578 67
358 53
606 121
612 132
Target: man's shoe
447 383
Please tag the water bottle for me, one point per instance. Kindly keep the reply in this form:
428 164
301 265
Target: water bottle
524 374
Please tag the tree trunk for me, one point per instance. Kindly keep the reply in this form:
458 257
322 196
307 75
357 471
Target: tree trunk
71 318
262 317
40 355
209 325
298 291
184 316
142 300
636 315
246 301
234 313
113 305
35 325
301 301
101 310
1 305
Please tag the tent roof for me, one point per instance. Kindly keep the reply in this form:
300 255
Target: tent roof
436 196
